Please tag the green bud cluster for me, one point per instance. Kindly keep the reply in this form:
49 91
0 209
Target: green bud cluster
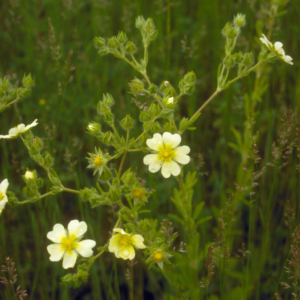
10 95
187 84
33 183
136 86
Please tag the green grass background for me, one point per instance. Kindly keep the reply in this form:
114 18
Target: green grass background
189 39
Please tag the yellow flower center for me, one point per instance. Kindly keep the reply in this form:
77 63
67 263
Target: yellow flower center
17 127
69 243
125 240
166 153
137 194
98 161
1 196
158 256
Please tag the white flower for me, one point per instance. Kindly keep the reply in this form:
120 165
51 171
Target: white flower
166 154
171 100
277 49
122 244
18 130
29 175
67 243
3 197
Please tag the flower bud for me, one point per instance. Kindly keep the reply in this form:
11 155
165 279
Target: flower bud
129 178
93 128
30 191
153 35
144 117
114 194
108 138
5 84
37 143
109 118
29 176
263 55
186 88
113 42
127 122
233 33
28 81
122 37
108 99
229 61
169 92
248 59
99 42
239 20
130 47
153 110
136 86
149 25
48 159
168 127
238 57
105 175
23 92
169 102
102 108
189 77
139 22
103 50
153 89
155 127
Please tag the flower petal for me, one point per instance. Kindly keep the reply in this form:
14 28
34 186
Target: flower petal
169 168
172 140
266 41
77 228
69 259
57 234
34 123
126 253
288 59
3 186
5 137
137 240
120 230
113 245
182 150
153 161
155 142
13 131
55 251
2 204
85 248
182 158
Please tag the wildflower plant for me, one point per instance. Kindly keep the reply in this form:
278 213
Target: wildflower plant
164 144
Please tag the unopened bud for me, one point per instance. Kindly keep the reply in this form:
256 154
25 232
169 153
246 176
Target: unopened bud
108 138
229 61
28 81
122 37
48 159
113 42
105 175
189 77
155 127
103 50
149 25
93 128
153 89
99 42
239 20
153 110
136 86
102 108
5 84
130 47
127 122
23 92
30 176
248 59
153 35
108 99
139 22
144 117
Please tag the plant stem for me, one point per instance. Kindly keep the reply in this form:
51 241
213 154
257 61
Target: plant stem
29 201
70 191
122 163
99 254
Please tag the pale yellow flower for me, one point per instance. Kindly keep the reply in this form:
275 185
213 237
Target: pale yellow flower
166 154
122 244
67 243
3 197
18 130
277 49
